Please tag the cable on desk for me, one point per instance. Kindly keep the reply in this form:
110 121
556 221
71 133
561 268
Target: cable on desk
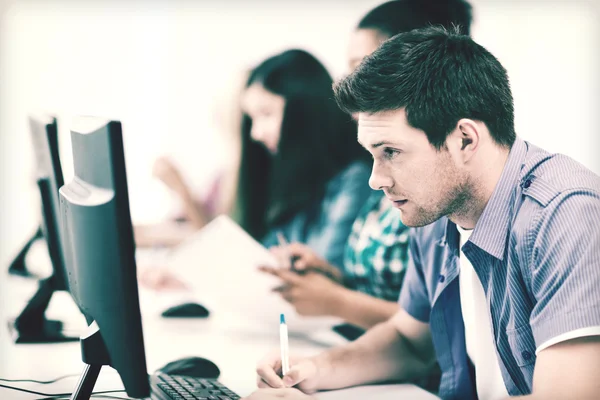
95 396
40 382
55 395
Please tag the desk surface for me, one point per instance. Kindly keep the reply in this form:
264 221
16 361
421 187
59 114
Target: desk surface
233 342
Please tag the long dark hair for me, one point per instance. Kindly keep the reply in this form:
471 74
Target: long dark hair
317 141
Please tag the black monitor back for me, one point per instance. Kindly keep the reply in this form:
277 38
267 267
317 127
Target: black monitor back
49 175
31 326
99 247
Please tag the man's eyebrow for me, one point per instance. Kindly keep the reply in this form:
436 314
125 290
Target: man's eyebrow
375 145
379 144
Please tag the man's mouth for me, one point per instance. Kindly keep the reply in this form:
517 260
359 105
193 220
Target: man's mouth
399 203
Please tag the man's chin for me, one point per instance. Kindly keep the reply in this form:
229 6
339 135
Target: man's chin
416 221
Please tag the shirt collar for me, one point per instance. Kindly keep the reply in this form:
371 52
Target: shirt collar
448 235
491 230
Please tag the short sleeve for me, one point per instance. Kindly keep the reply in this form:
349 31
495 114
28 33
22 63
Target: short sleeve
413 296
565 265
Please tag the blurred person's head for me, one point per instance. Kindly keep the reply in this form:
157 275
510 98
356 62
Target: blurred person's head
436 112
294 139
397 16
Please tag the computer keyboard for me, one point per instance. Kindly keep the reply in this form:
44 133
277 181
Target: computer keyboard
184 387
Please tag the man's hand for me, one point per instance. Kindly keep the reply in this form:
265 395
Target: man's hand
306 260
165 170
303 373
310 294
288 393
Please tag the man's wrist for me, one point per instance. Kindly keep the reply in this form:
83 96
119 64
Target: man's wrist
325 367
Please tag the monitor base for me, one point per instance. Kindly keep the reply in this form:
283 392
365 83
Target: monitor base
95 355
31 326
48 332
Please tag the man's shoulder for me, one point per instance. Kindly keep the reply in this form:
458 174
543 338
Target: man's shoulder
546 176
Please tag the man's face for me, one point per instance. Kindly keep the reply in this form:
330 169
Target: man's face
424 183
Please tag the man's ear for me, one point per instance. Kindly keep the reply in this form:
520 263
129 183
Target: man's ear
464 140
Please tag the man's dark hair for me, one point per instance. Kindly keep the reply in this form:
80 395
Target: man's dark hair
438 76
398 16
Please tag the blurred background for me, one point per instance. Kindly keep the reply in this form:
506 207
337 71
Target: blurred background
169 70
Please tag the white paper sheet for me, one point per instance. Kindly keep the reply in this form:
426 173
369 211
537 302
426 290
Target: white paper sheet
220 264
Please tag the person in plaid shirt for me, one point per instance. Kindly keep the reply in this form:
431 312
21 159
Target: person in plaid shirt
377 251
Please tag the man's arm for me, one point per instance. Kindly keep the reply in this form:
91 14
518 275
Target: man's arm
399 349
565 281
568 370
363 310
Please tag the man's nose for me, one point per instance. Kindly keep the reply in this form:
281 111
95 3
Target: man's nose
380 177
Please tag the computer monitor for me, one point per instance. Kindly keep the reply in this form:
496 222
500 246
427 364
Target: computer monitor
18 266
99 256
31 326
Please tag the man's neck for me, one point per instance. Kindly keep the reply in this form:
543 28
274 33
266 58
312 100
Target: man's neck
487 170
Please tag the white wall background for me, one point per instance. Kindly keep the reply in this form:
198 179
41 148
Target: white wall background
159 66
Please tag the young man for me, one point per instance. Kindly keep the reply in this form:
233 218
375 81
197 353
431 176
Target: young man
375 260
504 286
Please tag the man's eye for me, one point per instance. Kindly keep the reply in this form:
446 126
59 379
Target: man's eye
390 153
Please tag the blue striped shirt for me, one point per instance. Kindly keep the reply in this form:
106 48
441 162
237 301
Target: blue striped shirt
536 251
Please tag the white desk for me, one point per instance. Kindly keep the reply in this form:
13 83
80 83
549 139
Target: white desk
233 343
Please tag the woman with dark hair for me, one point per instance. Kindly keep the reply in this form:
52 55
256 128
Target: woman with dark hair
365 286
302 173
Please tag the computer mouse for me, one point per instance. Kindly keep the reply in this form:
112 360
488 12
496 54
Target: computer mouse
348 331
186 310
195 367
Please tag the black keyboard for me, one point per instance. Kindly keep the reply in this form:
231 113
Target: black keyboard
184 387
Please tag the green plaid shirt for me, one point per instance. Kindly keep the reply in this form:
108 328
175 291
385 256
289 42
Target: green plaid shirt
376 254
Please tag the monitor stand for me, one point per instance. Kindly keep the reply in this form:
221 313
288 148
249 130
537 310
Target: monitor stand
17 266
95 355
31 326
